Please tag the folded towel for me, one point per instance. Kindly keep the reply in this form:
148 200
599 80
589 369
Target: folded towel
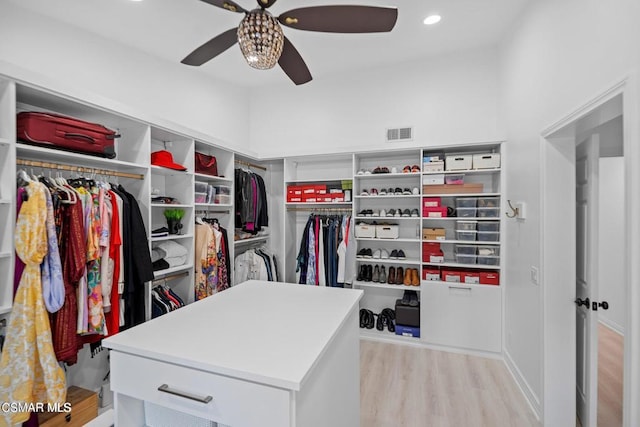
171 248
157 254
176 261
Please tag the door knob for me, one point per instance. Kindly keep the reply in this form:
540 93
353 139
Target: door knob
604 305
584 302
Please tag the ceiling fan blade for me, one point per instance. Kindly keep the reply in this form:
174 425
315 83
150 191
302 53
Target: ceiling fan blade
341 19
227 4
293 65
212 48
266 4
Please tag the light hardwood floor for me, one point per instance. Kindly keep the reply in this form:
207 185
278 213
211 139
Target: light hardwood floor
403 386
610 375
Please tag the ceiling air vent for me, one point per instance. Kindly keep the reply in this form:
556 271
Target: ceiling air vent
400 134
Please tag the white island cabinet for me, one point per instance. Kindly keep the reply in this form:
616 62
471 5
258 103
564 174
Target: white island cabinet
260 354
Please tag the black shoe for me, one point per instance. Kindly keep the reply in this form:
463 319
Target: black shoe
369 273
366 318
401 254
394 254
406 298
361 253
361 273
413 298
368 253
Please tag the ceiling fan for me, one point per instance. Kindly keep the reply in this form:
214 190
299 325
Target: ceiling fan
263 44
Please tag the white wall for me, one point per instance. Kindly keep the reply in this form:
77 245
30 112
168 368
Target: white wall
611 277
82 63
558 56
450 99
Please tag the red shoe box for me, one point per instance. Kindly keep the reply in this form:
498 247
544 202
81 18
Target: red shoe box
489 278
294 199
470 277
431 252
431 202
451 275
437 212
294 190
429 273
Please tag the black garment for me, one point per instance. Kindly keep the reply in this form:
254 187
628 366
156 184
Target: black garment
252 212
227 257
160 264
139 260
303 253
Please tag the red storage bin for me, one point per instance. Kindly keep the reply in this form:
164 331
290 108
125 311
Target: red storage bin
451 275
470 277
490 278
437 212
429 273
431 202
431 252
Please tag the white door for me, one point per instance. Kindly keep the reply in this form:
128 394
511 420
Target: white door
587 154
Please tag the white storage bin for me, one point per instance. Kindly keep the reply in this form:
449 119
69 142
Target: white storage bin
488 236
436 179
201 187
488 260
466 259
488 226
435 166
466 212
200 197
460 162
488 250
489 202
466 202
466 235
364 230
466 225
465 249
387 231
486 161
487 212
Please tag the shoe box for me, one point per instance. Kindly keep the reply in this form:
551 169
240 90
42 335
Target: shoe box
407 315
408 331
433 234
431 252
432 208
458 162
486 161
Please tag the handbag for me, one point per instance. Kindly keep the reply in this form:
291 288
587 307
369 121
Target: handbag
206 164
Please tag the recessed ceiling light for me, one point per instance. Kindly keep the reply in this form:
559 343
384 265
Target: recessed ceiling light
432 19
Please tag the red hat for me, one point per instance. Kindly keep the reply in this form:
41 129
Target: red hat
165 159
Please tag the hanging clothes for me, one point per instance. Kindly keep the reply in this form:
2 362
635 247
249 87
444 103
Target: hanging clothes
29 371
256 264
211 258
164 300
321 259
250 201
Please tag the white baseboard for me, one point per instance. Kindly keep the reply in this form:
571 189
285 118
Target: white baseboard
530 396
614 326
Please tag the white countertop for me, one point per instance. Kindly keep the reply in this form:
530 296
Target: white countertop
266 332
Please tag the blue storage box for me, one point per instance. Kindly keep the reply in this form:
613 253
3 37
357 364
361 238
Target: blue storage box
408 331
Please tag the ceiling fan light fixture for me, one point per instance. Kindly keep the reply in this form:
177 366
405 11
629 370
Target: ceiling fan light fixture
432 19
261 39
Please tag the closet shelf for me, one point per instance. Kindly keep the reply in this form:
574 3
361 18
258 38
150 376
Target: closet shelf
211 178
391 196
465 171
5 309
385 335
388 261
223 206
172 237
467 266
159 170
388 175
250 240
4 201
461 218
346 204
30 152
458 284
384 286
387 218
169 205
160 273
319 180
449 195
5 255
464 242
373 239
4 141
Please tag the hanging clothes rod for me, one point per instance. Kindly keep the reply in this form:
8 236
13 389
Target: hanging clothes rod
251 165
79 169
172 277
319 209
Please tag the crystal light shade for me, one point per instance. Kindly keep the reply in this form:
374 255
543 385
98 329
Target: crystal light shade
261 39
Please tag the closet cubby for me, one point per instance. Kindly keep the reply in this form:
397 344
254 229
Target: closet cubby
7 192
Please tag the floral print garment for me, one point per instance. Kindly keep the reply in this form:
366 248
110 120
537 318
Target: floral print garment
29 371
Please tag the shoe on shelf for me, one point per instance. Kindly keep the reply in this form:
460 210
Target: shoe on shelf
406 169
391 212
414 212
406 297
390 191
391 278
382 192
397 191
369 275
361 253
394 170
376 254
367 172
360 172
383 212
398 212
376 170
394 254
384 254
361 273
375 277
401 254
383 275
415 168
406 212
415 191
368 253
399 276
415 277
375 213
407 277
373 192
406 192
362 212
364 193
413 299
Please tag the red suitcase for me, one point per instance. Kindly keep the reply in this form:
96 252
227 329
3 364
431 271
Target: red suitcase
66 133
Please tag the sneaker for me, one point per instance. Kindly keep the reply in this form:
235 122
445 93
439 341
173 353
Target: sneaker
390 191
394 254
383 275
394 170
406 192
384 254
415 168
398 212
362 212
377 170
406 169
406 212
364 193
377 254
398 191
373 192
375 213
361 254
368 253
414 212
383 192
367 172
383 212
360 172
391 212
401 254
368 212
415 191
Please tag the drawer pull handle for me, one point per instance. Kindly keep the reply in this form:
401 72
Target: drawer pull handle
462 288
165 389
